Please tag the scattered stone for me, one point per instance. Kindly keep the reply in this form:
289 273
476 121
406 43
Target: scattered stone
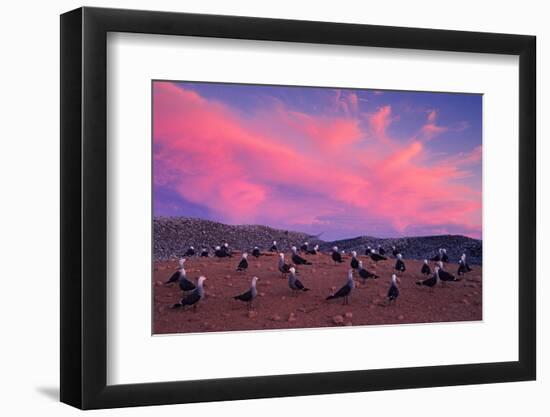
252 314
349 323
262 294
465 301
349 315
283 298
291 317
338 319
276 317
159 283
161 309
174 233
400 317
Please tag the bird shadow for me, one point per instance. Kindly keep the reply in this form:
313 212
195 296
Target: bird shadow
50 392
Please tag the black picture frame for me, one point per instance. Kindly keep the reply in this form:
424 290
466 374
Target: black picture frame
84 207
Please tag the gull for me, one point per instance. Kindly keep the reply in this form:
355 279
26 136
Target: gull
284 268
425 268
346 290
294 283
336 256
393 291
297 259
193 298
399 264
354 261
249 295
243 265
364 274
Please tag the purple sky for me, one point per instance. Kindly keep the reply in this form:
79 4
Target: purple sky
341 162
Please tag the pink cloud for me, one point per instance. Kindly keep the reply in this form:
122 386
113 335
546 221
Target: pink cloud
346 102
251 169
379 122
335 131
402 157
431 128
353 101
465 158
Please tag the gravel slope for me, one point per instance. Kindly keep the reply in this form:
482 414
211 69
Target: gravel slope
173 235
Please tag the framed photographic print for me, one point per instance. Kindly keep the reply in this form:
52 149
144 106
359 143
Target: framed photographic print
340 207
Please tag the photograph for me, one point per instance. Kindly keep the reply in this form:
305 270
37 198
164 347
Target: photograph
291 207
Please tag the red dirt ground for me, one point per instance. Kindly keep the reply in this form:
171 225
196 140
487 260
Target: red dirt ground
275 308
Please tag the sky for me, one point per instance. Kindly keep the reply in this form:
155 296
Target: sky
330 161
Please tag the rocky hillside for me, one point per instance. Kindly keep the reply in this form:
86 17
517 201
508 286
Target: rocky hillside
173 235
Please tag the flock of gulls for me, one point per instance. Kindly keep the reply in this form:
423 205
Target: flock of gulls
193 293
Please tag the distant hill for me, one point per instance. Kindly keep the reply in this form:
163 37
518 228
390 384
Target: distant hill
419 247
173 235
